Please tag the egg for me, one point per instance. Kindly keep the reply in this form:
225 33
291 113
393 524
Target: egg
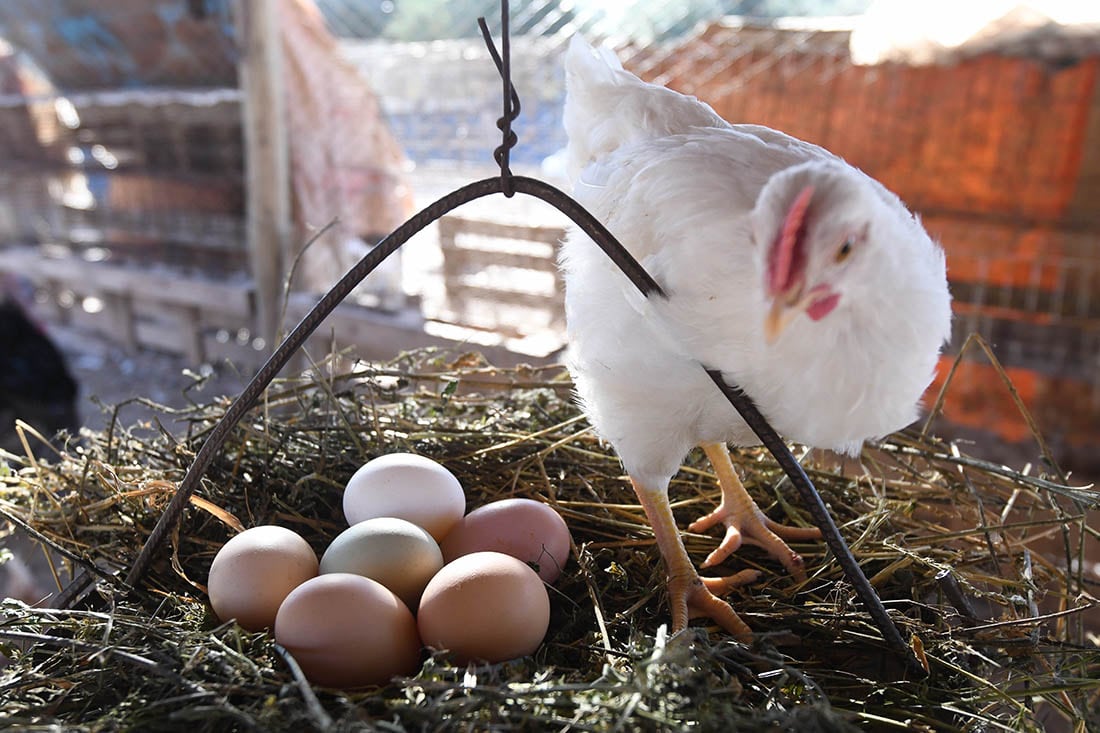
484 606
523 528
395 552
255 570
409 487
346 631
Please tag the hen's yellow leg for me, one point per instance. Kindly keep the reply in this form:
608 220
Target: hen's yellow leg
689 595
745 522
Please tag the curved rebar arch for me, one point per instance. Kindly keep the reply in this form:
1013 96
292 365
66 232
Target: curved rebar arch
507 184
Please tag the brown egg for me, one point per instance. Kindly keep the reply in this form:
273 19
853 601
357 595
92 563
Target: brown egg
255 570
407 486
523 528
346 631
484 606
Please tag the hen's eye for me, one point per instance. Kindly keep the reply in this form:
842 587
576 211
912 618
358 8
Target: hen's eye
845 249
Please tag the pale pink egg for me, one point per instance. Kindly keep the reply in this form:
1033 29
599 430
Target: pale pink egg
523 528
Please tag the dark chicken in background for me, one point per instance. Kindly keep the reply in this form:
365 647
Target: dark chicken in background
36 385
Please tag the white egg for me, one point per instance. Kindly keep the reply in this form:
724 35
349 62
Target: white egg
409 487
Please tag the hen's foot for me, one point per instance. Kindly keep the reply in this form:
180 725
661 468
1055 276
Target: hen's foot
689 595
745 522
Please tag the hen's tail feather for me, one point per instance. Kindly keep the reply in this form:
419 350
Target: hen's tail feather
591 62
607 107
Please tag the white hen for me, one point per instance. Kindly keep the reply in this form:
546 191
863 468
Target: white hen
804 281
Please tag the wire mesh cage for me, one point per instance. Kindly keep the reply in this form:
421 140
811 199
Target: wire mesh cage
127 116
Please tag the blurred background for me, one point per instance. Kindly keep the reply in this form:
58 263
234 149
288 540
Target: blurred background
163 164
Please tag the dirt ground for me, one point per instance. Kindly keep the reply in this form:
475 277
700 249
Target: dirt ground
109 376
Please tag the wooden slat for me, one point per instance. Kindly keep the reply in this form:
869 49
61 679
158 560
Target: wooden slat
505 297
100 277
118 312
457 225
461 261
267 171
141 308
375 335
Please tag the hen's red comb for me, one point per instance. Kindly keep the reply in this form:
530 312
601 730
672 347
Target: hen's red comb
788 255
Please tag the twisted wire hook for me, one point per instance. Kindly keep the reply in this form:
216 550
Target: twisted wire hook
503 61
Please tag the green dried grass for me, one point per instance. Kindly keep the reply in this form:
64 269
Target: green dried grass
914 508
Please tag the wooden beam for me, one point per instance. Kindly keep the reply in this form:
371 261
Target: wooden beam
267 176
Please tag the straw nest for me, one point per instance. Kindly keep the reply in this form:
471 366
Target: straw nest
946 539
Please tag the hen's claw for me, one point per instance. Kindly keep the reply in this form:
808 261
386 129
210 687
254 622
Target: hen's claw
745 522
755 528
722 586
691 596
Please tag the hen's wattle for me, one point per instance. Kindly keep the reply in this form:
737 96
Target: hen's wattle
803 280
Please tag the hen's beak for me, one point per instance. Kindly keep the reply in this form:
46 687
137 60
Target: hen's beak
817 302
779 317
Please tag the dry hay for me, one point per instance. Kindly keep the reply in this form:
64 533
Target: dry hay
944 538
